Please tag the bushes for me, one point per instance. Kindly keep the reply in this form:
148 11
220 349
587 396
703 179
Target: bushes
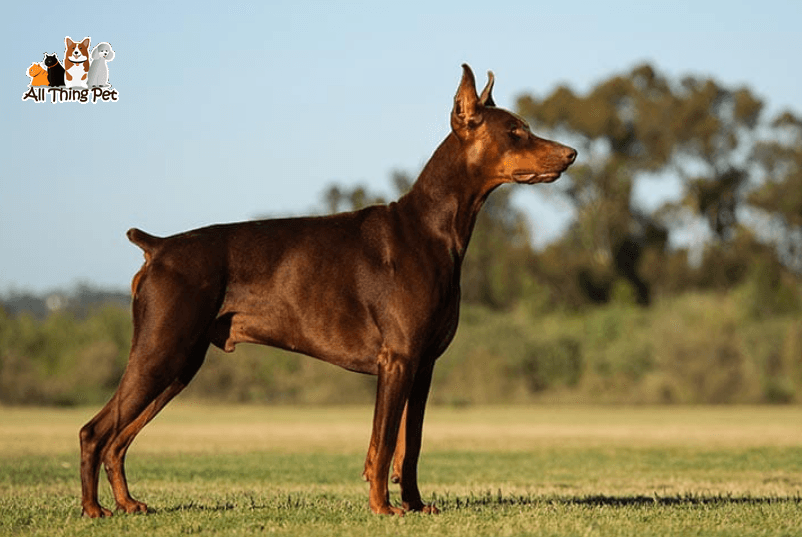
551 363
62 359
741 347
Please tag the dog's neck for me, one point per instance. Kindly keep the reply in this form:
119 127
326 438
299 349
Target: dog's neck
446 198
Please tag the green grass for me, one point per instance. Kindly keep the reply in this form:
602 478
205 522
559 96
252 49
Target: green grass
544 470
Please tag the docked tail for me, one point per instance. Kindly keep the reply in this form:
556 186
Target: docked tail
146 241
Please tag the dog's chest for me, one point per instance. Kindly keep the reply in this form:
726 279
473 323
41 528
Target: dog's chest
77 72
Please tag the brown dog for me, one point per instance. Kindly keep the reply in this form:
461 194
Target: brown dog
76 62
375 291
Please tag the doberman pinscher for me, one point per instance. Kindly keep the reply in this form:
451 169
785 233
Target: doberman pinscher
375 291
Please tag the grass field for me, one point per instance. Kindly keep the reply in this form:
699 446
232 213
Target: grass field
223 470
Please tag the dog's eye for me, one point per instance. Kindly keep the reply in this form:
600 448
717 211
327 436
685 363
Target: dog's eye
517 133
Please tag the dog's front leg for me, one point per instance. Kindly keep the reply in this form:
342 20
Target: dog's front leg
405 466
395 378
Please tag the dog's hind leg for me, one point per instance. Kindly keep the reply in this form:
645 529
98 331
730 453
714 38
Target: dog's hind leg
114 455
170 341
94 436
128 403
106 437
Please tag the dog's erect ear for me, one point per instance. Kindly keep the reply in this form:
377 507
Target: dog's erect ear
467 112
68 42
85 42
486 98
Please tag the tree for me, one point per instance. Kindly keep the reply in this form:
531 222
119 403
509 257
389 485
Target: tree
619 127
779 198
642 124
714 128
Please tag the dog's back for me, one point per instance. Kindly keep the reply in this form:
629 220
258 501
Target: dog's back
317 275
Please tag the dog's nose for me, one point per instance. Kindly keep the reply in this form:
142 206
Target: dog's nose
570 156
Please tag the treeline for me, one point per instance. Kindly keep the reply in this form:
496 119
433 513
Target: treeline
693 348
80 301
67 357
698 300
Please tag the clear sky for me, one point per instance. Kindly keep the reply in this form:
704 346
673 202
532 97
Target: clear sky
228 111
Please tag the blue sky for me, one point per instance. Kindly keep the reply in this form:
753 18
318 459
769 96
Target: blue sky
229 111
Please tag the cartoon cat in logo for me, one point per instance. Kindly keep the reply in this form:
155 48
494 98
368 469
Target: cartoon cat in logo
38 75
55 72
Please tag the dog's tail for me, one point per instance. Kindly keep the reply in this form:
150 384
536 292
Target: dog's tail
146 241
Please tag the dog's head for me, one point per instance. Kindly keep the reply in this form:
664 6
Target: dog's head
103 51
501 145
76 52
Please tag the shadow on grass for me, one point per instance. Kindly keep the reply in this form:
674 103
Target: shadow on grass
490 499
282 502
199 507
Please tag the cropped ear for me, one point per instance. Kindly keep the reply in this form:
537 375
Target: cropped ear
467 112
486 98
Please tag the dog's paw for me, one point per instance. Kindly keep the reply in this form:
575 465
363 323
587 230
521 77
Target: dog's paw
95 511
132 507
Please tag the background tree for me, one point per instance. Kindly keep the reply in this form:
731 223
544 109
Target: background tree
714 128
779 198
619 127
638 125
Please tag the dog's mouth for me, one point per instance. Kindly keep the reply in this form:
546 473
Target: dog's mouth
530 177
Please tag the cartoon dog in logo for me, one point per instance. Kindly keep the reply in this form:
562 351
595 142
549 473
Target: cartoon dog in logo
76 62
98 70
38 75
